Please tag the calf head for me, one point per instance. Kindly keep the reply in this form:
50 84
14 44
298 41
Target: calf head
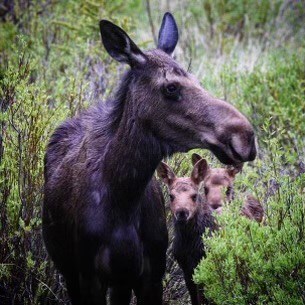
217 182
185 200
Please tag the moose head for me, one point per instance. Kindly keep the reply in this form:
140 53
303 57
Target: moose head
169 103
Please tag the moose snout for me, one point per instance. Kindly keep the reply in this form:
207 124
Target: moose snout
182 215
236 144
243 146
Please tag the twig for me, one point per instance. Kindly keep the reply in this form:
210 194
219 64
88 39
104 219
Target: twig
153 30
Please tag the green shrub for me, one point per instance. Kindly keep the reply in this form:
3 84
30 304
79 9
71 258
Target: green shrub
276 89
251 263
48 56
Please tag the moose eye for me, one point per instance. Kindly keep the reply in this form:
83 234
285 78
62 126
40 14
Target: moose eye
171 197
171 88
172 91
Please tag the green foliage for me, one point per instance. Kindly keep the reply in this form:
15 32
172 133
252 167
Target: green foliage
279 91
273 88
248 263
251 263
26 121
238 17
48 57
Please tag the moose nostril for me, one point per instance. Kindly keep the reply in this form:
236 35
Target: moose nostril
235 154
253 150
243 146
182 215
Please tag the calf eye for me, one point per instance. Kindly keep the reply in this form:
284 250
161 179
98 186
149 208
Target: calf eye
228 191
194 197
172 91
171 197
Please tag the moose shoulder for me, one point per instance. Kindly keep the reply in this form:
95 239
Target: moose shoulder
103 215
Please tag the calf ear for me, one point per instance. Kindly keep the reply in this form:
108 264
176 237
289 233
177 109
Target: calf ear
168 34
119 45
166 173
200 171
233 170
195 158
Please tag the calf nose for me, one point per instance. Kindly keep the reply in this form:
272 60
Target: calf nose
216 205
218 210
182 215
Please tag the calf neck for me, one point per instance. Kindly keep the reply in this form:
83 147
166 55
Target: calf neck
192 218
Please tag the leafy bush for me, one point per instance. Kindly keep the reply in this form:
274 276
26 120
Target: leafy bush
274 89
51 67
251 263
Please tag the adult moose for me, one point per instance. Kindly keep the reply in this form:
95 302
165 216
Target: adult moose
103 216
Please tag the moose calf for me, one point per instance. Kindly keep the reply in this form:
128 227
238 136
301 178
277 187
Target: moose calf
218 184
191 219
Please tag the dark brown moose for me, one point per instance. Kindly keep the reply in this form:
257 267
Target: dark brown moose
192 218
104 223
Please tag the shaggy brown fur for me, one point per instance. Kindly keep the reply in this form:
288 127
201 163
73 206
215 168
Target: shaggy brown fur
218 184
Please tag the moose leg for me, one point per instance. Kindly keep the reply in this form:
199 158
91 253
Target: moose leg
149 290
192 288
73 288
93 291
120 295
149 293
201 297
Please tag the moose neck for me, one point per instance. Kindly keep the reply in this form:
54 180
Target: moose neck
133 153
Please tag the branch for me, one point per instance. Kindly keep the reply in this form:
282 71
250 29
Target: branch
153 30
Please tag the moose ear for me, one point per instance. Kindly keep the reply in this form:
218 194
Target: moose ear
119 45
200 171
168 34
233 170
195 158
166 173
